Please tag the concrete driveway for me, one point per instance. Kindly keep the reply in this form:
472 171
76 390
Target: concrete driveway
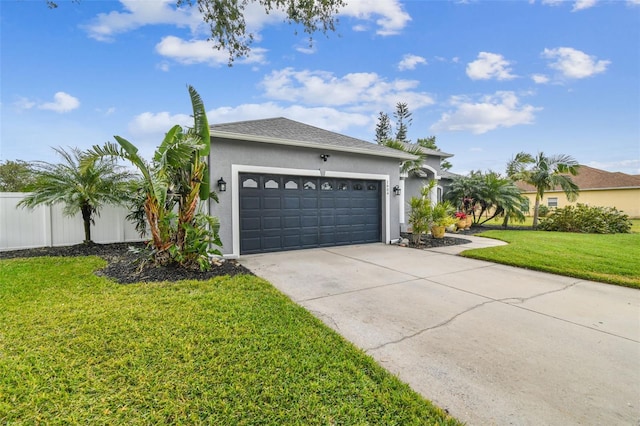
490 343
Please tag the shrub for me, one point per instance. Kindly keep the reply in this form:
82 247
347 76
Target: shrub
543 211
587 219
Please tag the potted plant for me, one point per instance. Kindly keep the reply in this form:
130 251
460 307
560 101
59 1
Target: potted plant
441 217
461 220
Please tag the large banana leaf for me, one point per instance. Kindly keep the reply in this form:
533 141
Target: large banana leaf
201 124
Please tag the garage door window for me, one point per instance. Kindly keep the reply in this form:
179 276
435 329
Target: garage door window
291 184
249 183
326 186
309 186
271 184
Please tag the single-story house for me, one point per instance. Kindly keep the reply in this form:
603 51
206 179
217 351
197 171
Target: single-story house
597 188
290 186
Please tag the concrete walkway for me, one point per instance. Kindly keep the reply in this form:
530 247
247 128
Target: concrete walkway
490 343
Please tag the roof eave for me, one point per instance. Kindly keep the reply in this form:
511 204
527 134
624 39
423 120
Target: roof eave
306 144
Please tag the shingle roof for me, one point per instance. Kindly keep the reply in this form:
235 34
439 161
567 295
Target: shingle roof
591 178
446 174
288 132
432 152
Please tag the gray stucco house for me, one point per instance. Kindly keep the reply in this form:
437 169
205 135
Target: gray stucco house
291 186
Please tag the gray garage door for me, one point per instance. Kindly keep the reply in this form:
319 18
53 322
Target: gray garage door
294 212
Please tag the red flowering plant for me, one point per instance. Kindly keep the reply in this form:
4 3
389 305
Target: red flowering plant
461 215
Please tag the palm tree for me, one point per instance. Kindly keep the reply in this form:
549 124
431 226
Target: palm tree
81 189
544 173
489 195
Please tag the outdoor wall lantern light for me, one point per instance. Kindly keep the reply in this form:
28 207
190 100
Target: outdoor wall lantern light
324 156
397 190
222 185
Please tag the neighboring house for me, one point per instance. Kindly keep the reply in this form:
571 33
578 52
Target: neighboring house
412 183
293 186
597 188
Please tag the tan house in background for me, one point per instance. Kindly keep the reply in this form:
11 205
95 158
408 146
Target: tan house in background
597 188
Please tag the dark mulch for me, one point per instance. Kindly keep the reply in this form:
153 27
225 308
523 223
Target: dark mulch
125 266
450 240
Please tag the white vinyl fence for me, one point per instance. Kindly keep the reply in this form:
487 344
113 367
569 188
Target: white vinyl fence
46 226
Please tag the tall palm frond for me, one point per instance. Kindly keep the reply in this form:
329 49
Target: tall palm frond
409 166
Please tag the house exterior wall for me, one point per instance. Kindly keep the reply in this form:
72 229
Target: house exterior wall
627 200
229 158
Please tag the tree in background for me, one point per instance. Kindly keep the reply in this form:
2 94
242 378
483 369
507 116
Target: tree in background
227 26
383 129
16 176
544 173
176 180
403 121
81 189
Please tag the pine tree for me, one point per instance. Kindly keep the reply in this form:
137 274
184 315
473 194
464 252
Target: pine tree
383 128
403 121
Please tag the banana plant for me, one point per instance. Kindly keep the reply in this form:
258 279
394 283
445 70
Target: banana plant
177 177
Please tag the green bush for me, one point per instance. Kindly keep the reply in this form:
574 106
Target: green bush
587 219
543 211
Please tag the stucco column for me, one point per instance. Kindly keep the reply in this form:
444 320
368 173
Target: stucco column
401 201
433 195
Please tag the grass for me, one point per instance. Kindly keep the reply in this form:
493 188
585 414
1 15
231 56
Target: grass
79 349
610 258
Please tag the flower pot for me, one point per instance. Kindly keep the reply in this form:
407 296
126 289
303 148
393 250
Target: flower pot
461 224
469 222
437 231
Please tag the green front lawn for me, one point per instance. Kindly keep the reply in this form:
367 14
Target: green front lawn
611 258
79 349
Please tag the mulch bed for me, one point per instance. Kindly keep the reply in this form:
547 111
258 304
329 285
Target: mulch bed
426 241
125 266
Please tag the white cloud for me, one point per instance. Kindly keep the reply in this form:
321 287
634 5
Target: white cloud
391 16
501 109
23 104
149 123
409 62
488 66
323 117
355 91
306 48
583 4
137 14
202 52
540 78
633 2
631 167
62 102
573 63
152 126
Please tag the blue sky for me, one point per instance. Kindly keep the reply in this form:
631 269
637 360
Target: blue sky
487 78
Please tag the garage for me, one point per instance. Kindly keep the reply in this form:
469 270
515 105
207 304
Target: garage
287 212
